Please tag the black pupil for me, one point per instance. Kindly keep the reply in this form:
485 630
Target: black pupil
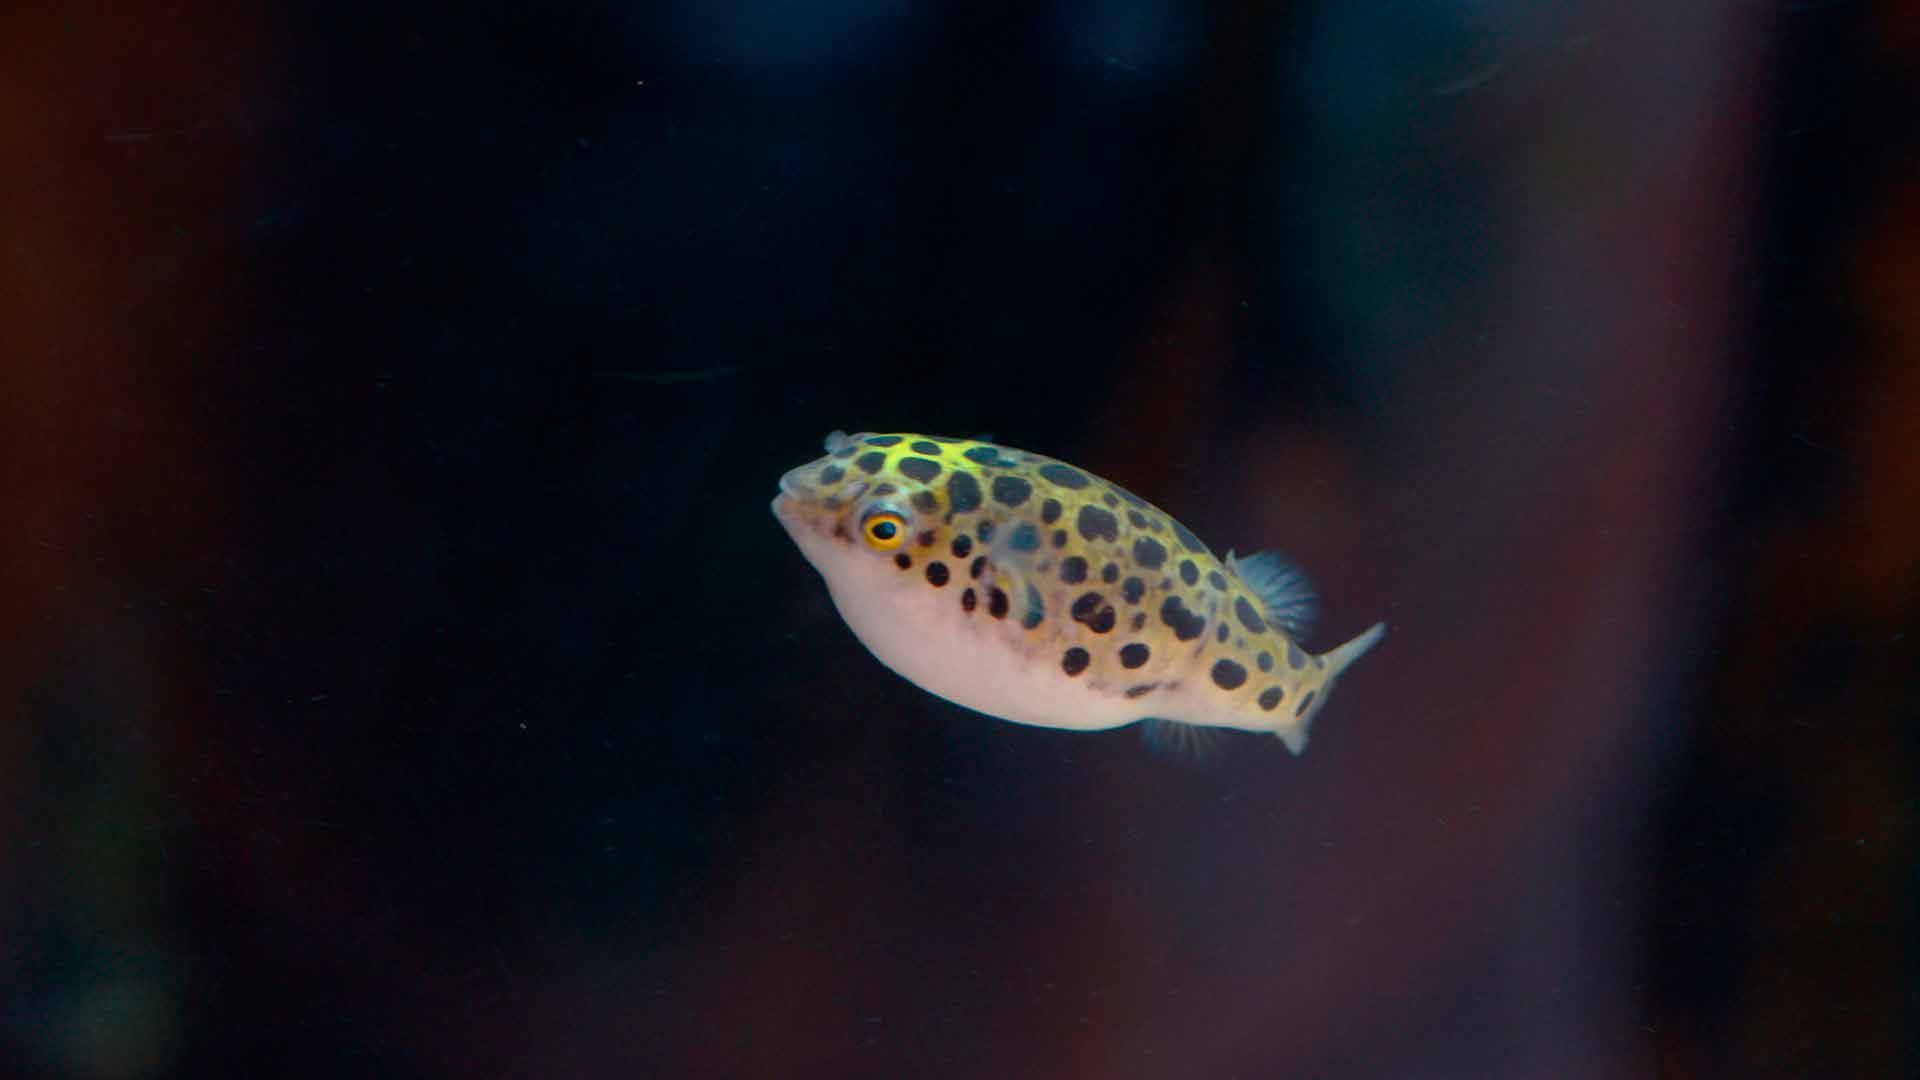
883 530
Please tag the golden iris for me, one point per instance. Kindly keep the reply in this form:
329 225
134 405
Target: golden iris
884 530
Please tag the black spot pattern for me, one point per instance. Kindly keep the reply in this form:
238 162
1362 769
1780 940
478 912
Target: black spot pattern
1102 621
871 461
1138 519
918 469
1097 524
1228 675
1217 580
903 560
1185 624
985 531
926 538
1024 537
1110 573
1063 476
963 492
1139 619
1086 605
925 502
1133 589
1149 553
1134 654
962 546
1248 617
979 564
1073 569
1189 573
1265 660
1075 660
1220 633
936 574
1059 538
996 603
1011 490
1142 690
1295 658
884 489
968 601
832 474
1050 511
924 447
883 440
1270 697
990 457
1305 704
1036 609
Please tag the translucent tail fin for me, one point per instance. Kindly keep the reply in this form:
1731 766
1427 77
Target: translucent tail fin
1336 660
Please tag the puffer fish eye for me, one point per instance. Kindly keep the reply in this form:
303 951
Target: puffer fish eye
884 530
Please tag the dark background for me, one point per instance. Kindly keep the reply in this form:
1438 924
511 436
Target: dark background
405 676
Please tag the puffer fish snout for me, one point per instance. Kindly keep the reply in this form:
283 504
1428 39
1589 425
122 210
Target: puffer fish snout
801 486
794 483
791 492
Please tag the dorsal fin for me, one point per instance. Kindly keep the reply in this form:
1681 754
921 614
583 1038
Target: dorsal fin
1283 590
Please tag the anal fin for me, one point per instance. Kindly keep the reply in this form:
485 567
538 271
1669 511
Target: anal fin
1188 744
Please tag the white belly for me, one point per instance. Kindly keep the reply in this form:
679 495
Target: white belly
976 660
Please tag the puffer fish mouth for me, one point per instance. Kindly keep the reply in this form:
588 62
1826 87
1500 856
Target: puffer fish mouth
796 496
785 506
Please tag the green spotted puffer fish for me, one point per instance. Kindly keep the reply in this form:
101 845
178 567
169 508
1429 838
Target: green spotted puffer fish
1036 592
